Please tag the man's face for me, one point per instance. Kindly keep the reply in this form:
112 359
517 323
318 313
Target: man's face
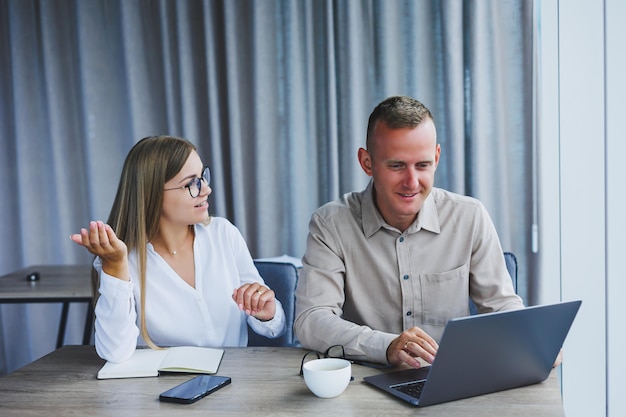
402 163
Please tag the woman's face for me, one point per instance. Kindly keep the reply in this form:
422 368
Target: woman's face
178 205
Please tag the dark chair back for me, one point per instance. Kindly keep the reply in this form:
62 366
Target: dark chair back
282 277
511 265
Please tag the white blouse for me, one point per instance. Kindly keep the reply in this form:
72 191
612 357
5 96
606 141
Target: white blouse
176 313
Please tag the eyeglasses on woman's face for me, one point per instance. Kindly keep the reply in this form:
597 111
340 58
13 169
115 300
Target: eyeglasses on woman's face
195 185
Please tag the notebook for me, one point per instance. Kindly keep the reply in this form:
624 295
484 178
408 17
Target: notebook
486 353
151 362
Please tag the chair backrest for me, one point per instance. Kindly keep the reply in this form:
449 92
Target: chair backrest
282 278
511 265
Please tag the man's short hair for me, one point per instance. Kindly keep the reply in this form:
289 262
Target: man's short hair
397 112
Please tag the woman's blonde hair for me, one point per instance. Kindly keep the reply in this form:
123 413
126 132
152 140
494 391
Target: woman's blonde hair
138 203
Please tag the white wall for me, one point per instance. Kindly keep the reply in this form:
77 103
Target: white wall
616 203
582 120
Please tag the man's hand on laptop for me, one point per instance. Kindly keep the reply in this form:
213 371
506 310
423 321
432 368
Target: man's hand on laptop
410 345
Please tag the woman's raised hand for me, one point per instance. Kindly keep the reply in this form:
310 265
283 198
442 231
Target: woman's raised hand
101 241
256 300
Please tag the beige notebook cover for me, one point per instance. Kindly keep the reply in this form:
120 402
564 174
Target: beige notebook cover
149 362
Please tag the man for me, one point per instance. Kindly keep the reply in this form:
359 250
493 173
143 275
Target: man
386 268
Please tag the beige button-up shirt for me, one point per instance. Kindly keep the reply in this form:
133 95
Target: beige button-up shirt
363 282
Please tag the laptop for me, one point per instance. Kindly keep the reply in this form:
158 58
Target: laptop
486 353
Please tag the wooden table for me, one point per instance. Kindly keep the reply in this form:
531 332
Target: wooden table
56 284
265 382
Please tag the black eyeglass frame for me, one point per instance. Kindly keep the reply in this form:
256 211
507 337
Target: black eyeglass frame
197 182
329 354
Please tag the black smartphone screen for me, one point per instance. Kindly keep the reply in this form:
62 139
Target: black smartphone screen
194 389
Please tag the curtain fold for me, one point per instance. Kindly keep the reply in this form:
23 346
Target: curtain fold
276 95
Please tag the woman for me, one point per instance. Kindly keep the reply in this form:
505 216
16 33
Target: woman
169 274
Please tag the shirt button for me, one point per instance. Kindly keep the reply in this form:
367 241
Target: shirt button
408 313
405 277
401 239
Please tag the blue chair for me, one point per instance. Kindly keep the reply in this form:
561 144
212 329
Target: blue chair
511 265
282 277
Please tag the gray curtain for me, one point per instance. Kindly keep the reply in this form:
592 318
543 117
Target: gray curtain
275 94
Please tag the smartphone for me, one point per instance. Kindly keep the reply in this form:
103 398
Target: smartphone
191 391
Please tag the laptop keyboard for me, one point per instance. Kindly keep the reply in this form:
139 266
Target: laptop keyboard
414 388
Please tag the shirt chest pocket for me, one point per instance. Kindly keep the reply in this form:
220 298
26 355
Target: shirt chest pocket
445 295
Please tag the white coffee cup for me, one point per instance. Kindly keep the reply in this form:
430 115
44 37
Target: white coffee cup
328 377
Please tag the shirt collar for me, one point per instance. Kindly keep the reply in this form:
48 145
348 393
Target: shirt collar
427 218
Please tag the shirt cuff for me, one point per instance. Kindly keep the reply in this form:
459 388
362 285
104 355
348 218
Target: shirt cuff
377 347
272 328
112 285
